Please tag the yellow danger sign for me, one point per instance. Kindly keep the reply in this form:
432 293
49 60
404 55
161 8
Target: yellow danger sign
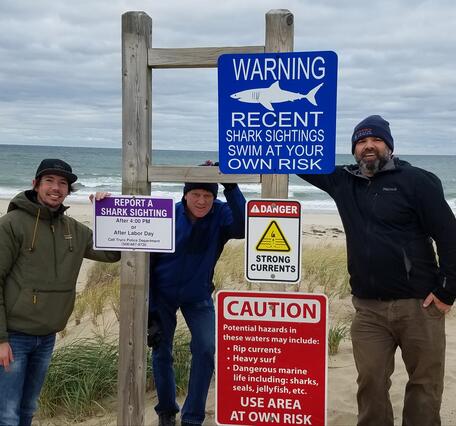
273 239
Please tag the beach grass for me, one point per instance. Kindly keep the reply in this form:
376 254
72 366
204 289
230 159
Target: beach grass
336 334
102 290
324 269
229 271
81 374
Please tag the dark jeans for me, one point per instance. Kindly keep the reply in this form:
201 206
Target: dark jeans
378 328
200 319
20 386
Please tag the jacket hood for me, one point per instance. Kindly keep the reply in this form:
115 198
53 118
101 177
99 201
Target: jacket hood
28 202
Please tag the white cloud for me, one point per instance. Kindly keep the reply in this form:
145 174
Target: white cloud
60 79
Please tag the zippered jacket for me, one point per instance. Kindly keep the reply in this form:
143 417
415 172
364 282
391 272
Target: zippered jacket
391 221
185 276
41 252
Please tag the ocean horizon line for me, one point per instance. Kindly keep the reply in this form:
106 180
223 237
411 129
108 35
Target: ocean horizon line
198 150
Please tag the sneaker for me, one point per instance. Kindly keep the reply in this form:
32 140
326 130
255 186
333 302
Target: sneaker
166 419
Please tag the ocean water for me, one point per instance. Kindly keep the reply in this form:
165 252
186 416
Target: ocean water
99 169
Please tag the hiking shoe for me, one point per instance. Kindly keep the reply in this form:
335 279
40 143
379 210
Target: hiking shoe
167 420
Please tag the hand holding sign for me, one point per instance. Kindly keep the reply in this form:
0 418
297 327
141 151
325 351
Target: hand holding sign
99 196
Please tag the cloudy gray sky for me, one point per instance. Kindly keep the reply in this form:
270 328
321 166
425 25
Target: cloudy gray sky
60 78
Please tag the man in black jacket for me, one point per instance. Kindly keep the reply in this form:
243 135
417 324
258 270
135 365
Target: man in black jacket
392 213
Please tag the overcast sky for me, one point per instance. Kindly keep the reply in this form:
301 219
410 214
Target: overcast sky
60 67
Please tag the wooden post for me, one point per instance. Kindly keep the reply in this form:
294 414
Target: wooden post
279 38
134 277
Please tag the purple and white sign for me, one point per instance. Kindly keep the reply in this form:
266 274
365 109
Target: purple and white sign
134 223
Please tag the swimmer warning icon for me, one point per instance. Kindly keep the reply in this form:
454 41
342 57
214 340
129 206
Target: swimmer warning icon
273 241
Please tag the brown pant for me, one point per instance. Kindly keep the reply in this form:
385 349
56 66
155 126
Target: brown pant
378 328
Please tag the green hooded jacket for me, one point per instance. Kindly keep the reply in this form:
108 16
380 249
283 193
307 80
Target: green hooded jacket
41 252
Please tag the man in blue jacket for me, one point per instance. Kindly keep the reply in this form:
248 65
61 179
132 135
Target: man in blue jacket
183 280
392 213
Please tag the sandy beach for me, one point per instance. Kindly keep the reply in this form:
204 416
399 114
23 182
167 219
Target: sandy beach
341 392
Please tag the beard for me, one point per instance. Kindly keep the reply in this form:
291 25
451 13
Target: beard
371 167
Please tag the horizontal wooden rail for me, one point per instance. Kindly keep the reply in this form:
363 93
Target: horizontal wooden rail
198 57
197 174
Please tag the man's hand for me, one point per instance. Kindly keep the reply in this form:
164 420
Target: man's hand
229 186
154 334
6 355
432 298
99 196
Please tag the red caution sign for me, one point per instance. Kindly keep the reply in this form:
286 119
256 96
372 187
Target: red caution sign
271 358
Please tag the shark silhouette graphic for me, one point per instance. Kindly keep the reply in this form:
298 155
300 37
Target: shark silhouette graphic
274 94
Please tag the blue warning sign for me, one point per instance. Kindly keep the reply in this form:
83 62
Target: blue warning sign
277 112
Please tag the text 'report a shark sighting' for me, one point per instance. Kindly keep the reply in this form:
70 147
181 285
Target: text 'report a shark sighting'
274 94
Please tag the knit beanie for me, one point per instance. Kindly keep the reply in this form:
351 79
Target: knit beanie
374 126
211 187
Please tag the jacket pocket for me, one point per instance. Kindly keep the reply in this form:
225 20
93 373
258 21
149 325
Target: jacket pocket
41 312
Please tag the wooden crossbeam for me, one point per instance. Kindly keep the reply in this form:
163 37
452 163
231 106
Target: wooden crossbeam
197 57
197 174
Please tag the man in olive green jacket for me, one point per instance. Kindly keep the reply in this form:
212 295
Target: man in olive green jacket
41 252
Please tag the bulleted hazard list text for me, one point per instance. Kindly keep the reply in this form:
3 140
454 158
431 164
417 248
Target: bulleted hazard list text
271 358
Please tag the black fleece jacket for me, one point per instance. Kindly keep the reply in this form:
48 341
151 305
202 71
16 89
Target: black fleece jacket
391 221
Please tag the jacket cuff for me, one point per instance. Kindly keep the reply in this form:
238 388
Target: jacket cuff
444 295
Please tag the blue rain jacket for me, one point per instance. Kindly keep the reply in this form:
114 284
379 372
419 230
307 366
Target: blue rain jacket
185 276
